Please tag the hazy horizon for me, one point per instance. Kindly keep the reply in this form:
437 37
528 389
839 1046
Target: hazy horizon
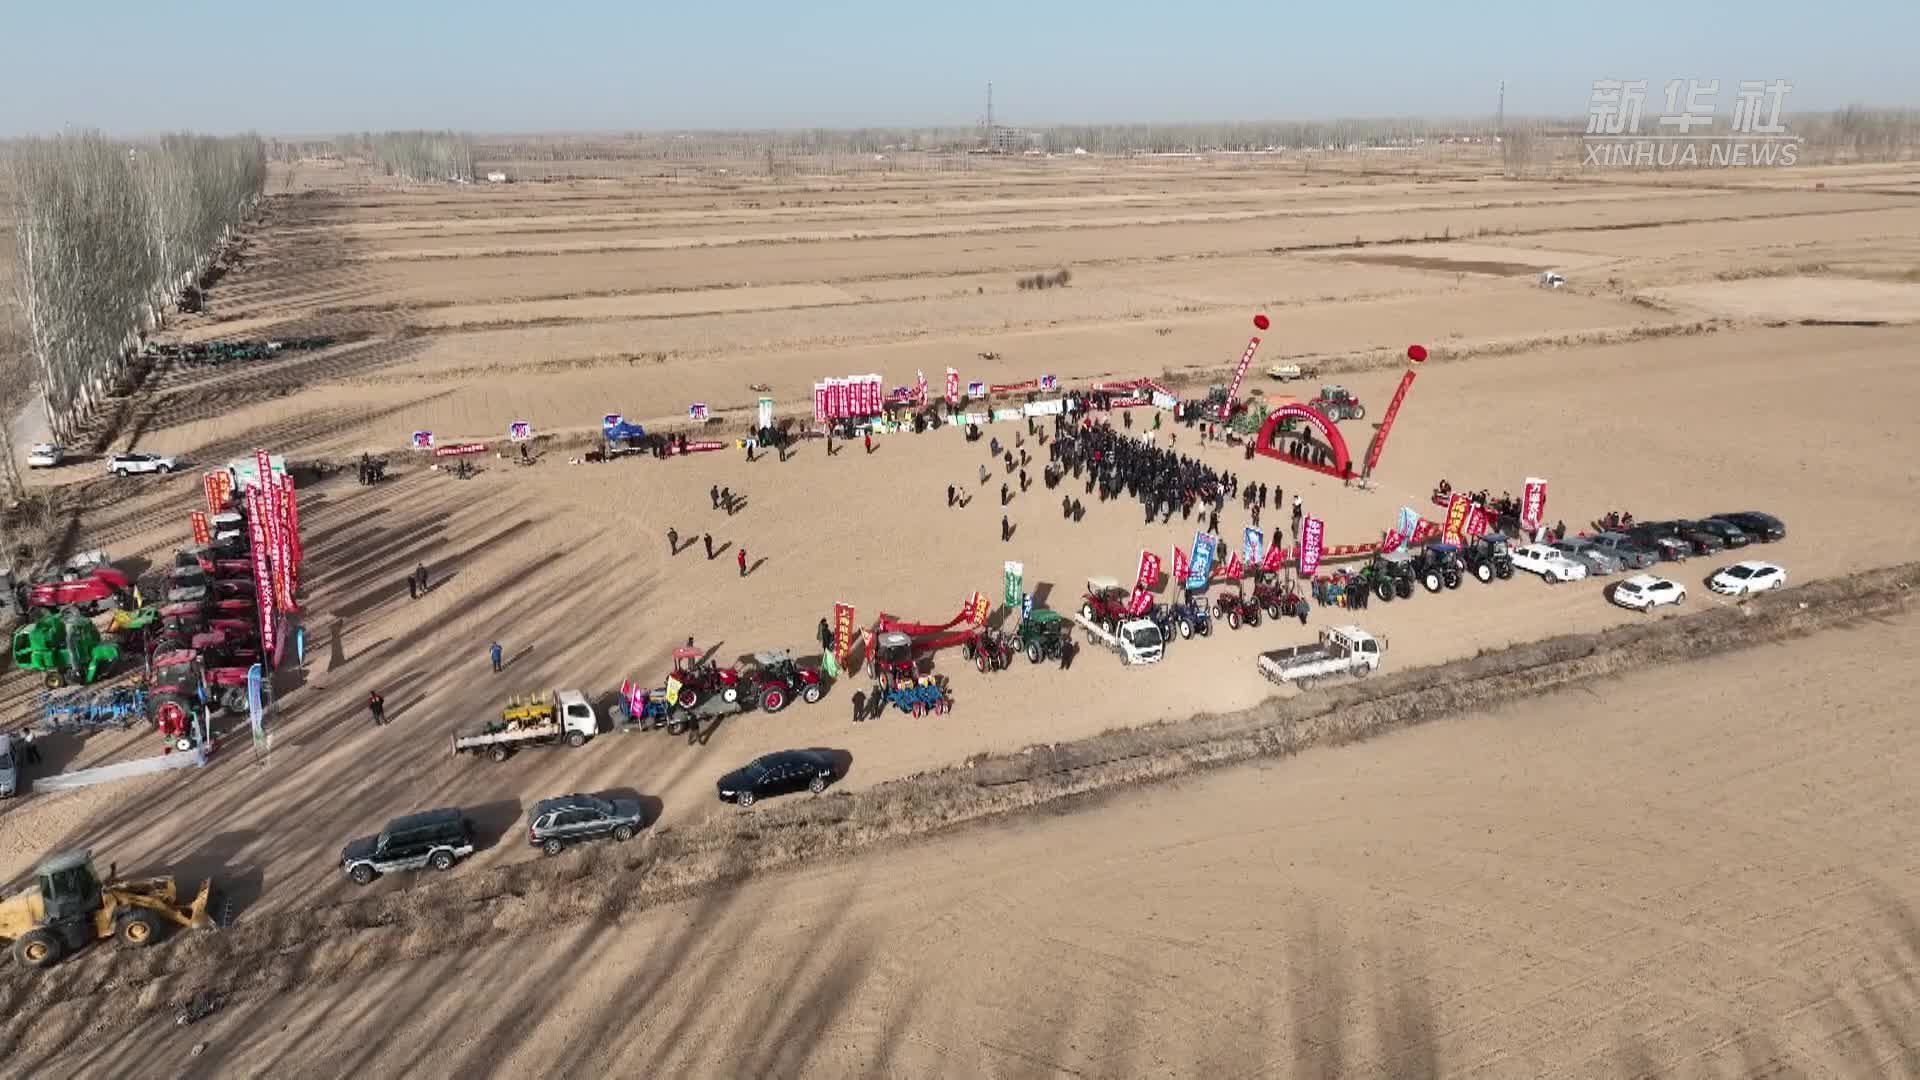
595 67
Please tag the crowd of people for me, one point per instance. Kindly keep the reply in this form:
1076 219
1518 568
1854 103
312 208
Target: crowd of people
1114 465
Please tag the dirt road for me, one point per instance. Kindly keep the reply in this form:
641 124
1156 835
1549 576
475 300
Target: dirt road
1709 869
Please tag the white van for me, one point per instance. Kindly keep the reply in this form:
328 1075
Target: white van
9 769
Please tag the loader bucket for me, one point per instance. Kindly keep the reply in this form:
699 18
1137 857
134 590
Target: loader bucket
199 917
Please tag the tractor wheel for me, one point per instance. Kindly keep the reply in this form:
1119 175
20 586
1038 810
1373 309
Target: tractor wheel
1483 572
730 695
54 680
1431 581
811 694
363 874
1452 580
553 847
1359 412
441 860
1086 612
980 661
1206 629
1503 572
687 698
1253 618
1273 612
498 753
183 744
1403 588
919 710
576 739
1186 629
773 700
1033 652
1384 591
1233 620
139 929
622 833
37 948
234 700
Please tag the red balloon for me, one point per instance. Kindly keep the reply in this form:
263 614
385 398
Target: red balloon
1417 353
1260 322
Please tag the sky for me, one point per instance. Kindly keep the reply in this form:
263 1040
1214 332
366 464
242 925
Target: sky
295 68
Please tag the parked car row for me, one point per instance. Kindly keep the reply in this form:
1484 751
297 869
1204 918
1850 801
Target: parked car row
439 839
1644 592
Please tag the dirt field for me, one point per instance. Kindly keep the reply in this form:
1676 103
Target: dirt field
1710 869
1660 380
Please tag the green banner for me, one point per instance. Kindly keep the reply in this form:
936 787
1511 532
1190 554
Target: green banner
1015 571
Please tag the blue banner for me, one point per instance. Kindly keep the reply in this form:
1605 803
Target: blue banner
1255 542
1026 604
256 711
1201 570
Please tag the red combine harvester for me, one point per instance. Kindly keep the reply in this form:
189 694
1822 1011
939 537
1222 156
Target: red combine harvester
103 588
895 647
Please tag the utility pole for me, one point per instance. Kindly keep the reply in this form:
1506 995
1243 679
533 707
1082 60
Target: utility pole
1500 115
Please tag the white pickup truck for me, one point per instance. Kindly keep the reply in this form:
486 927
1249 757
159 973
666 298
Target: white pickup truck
1341 650
1137 641
562 716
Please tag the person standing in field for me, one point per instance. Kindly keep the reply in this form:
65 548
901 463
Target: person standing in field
376 707
741 558
494 653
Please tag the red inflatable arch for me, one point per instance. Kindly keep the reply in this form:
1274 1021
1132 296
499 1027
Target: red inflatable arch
1328 431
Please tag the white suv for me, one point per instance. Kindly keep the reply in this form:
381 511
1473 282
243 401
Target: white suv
136 462
46 455
1644 592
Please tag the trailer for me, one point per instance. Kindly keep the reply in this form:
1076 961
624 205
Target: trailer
85 711
1341 650
1136 641
563 716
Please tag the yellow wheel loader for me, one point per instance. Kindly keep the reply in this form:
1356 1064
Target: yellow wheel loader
68 905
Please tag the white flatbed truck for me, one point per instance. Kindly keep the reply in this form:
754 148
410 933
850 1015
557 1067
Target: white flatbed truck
565 716
1341 650
1136 641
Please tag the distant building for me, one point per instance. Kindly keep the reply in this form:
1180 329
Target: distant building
1007 140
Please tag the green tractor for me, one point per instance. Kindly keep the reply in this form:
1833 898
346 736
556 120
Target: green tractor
1042 635
65 648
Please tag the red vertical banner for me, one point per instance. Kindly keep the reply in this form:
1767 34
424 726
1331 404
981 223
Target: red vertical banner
1478 521
212 493
837 403
1235 570
1456 525
1276 555
1533 505
820 403
293 530
201 534
1239 375
1180 565
1149 570
1386 422
1140 601
262 575
219 487
980 607
953 387
276 497
842 630
1312 541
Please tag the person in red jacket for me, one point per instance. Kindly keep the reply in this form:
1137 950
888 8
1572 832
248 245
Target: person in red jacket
742 560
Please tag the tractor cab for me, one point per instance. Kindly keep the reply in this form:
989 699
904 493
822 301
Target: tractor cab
1335 392
893 663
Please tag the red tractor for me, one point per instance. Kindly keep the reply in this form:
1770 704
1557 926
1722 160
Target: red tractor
1274 598
893 663
990 650
102 589
221 650
208 561
701 679
1105 604
776 680
1236 608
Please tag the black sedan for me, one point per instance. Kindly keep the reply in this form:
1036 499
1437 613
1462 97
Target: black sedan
777 774
1762 527
1733 536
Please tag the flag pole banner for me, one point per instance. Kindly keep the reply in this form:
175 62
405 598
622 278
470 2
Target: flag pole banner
1254 541
1149 575
1456 523
1014 573
1200 571
1312 534
1533 506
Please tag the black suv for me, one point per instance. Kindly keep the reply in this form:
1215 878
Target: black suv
569 819
1764 528
436 838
